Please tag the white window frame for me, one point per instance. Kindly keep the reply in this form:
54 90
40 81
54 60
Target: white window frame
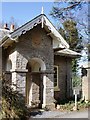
55 66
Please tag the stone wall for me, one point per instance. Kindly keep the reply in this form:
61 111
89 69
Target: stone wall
64 89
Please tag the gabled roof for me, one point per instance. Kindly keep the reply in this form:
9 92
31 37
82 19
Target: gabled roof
41 19
68 53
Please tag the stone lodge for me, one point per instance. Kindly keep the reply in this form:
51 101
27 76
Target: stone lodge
37 61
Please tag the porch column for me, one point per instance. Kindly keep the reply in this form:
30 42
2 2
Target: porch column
30 92
18 72
50 91
19 81
44 91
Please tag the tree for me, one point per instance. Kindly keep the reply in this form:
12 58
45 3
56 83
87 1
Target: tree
77 11
65 11
70 33
66 14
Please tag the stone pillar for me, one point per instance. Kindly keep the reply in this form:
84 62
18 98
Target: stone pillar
18 72
29 89
19 81
50 91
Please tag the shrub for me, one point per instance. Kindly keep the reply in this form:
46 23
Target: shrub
13 103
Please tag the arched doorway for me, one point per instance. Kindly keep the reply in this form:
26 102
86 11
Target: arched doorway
35 83
8 65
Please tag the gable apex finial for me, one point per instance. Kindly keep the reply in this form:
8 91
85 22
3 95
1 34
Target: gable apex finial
42 12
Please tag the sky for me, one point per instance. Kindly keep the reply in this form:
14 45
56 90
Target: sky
23 12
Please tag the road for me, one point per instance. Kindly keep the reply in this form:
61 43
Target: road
82 114
58 114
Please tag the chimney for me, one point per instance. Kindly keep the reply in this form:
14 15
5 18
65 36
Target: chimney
6 26
12 28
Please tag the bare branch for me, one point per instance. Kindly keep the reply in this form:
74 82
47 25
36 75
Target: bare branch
72 6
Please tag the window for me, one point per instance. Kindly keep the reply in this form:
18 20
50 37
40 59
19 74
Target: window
55 76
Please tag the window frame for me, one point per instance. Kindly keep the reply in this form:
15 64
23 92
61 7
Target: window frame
56 66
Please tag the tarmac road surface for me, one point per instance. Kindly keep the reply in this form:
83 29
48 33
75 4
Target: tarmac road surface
79 114
58 114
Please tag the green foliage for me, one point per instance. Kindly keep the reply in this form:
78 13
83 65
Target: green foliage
70 33
13 103
62 32
63 11
76 80
83 104
70 105
67 107
75 65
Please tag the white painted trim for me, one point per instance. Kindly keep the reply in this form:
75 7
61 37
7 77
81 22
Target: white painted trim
42 21
56 33
44 92
34 22
30 95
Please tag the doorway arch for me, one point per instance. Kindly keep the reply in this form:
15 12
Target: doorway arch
36 83
37 64
8 65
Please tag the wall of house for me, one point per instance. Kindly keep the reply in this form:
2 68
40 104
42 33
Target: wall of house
64 89
86 82
34 44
